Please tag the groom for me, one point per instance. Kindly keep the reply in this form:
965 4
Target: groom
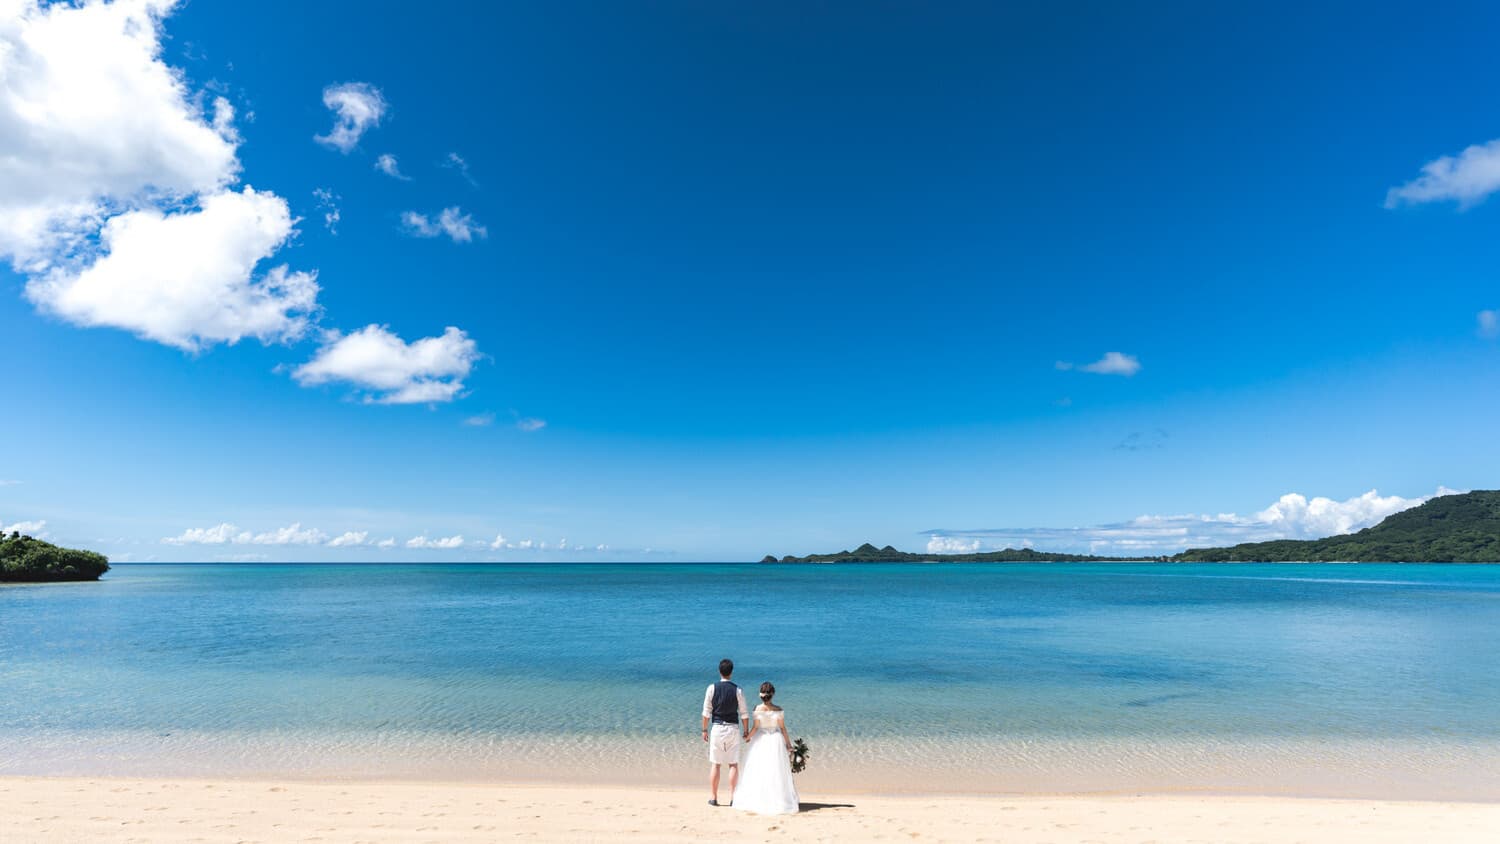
724 706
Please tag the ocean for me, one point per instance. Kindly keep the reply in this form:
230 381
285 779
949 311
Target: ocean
1346 680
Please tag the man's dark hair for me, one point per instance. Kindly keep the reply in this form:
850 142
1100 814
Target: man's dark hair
726 667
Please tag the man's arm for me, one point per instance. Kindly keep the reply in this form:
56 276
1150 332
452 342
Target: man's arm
739 695
708 700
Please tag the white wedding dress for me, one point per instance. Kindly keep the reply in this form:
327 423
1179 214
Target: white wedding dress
766 786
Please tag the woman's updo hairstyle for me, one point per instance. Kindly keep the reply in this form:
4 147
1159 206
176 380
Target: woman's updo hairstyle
767 691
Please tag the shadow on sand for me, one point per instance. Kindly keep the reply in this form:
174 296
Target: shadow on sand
813 807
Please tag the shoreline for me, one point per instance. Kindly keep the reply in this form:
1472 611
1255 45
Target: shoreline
1464 770
273 809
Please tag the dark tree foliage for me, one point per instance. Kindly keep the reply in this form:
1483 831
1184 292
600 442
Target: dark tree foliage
1450 529
24 559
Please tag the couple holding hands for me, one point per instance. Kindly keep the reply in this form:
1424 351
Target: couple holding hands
756 742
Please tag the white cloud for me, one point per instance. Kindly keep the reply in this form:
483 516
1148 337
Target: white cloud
228 534
114 185
1292 516
328 203
36 528
1489 324
531 423
357 107
388 542
393 371
388 165
350 538
219 534
1466 178
91 120
1295 516
442 543
1114 363
951 545
186 279
500 543
456 162
293 534
458 226
482 420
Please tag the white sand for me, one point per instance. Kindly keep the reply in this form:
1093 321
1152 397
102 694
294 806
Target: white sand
182 810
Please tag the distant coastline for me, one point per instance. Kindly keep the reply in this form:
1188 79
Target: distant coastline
868 553
1460 528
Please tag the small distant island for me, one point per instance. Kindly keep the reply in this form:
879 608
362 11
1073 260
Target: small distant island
25 559
1460 528
868 553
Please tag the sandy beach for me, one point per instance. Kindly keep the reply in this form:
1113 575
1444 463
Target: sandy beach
43 809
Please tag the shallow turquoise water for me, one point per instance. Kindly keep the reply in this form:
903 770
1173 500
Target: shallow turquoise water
439 669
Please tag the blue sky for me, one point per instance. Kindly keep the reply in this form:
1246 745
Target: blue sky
707 281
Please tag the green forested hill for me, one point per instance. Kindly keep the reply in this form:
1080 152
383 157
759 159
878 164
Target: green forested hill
27 560
1461 528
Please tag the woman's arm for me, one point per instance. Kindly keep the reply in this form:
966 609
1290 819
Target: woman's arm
785 736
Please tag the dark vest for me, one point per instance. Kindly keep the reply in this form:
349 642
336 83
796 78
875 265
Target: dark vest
726 708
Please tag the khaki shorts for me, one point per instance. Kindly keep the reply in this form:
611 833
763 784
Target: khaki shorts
724 744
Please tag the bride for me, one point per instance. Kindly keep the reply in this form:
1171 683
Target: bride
766 786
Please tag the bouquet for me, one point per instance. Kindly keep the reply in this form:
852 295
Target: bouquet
799 754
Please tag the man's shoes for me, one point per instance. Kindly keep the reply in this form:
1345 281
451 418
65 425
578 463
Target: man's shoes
713 802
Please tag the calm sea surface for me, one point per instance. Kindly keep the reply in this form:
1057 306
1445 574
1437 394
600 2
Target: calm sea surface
1337 679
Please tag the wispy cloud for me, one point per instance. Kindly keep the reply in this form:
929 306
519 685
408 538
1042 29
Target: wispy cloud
455 161
1489 324
1292 516
36 528
1143 440
389 369
442 543
357 107
4 482
350 539
387 164
481 420
453 222
562 546
226 533
951 545
1113 363
328 203
1466 178
530 424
